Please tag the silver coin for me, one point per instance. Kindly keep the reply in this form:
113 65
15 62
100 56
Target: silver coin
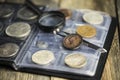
18 30
6 11
26 14
43 57
8 49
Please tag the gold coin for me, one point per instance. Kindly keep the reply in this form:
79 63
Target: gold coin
18 30
93 18
8 49
43 57
86 31
75 60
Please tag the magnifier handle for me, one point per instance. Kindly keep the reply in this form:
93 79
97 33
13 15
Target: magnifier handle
100 49
31 5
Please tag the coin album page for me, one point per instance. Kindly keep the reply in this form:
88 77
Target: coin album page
38 40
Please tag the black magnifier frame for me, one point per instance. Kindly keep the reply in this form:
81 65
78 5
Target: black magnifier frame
49 21
84 42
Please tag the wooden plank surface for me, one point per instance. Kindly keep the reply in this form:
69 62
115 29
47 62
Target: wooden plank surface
112 67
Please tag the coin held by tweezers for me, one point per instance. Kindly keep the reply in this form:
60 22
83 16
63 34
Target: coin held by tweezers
75 60
8 49
26 14
72 41
86 31
18 30
43 57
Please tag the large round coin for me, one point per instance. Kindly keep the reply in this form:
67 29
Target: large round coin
75 60
6 11
8 49
43 57
26 14
93 18
18 30
86 31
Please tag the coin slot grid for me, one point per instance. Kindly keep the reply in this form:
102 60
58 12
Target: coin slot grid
89 69
27 60
99 38
106 18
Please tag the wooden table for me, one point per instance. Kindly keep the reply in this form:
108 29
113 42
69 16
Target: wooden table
112 67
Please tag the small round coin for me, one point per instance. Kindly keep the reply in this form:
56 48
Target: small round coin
26 14
18 30
8 49
43 57
75 60
66 12
93 18
6 11
72 41
86 31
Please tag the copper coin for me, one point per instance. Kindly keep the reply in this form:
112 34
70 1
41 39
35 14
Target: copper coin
66 12
8 49
72 41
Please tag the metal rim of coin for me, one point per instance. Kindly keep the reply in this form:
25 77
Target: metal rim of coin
8 49
72 41
93 18
26 14
43 57
18 30
86 31
66 12
6 11
75 60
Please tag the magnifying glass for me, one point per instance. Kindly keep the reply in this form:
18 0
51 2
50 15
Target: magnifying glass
49 21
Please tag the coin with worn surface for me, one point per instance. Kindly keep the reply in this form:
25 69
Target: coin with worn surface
66 12
93 18
26 14
6 11
18 30
86 31
8 49
42 44
75 60
72 41
43 57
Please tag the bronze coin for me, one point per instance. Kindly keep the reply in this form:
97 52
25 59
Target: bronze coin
66 12
72 41
8 49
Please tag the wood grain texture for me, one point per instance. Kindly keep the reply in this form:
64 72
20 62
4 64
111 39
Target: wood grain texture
112 67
